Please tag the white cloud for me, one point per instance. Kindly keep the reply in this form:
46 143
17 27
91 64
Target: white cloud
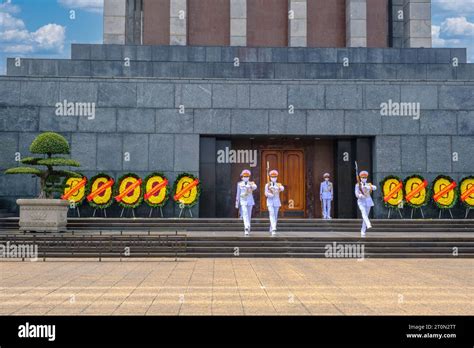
16 39
50 37
458 26
7 6
86 5
13 35
453 24
18 49
7 21
435 39
441 42
465 7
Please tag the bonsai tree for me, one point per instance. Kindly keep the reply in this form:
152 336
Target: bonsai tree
48 144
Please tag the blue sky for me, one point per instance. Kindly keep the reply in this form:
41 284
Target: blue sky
44 28
452 24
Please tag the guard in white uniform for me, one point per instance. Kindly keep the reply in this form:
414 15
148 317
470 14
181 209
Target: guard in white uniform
326 195
244 199
364 200
272 192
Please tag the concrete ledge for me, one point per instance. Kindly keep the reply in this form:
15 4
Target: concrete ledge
180 67
268 54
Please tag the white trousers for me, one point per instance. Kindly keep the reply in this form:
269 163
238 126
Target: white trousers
273 214
246 214
326 208
365 210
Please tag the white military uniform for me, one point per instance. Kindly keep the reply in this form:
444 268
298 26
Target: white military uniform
244 201
365 202
326 196
272 192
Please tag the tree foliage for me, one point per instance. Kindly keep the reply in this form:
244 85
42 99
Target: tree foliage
48 144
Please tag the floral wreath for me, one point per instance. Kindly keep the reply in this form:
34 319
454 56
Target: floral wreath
129 201
422 199
451 200
160 200
467 201
81 192
104 201
192 198
392 202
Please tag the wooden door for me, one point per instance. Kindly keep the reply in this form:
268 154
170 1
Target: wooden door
290 165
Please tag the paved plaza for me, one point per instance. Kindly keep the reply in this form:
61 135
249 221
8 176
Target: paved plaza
238 286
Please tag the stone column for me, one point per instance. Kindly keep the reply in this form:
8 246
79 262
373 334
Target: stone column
417 23
114 21
178 22
297 26
356 23
238 22
133 26
398 20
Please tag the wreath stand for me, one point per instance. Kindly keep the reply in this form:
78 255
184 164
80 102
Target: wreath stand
397 209
128 209
421 211
441 211
468 210
183 210
104 211
78 212
152 209
75 209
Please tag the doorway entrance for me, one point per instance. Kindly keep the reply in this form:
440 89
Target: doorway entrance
290 164
301 163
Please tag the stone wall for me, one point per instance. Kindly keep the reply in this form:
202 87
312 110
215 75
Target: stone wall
140 116
253 63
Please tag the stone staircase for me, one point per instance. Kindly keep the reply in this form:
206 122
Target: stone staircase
4 213
232 225
108 238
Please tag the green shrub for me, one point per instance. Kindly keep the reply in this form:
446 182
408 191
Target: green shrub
48 144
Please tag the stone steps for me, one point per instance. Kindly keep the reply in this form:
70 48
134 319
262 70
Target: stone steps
208 237
4 213
143 225
87 246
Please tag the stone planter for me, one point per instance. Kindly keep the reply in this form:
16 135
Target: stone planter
43 215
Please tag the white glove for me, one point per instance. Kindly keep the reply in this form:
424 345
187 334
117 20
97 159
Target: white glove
236 205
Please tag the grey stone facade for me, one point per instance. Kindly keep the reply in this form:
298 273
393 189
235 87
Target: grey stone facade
356 23
115 21
123 22
238 22
297 23
397 28
417 23
254 63
141 115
